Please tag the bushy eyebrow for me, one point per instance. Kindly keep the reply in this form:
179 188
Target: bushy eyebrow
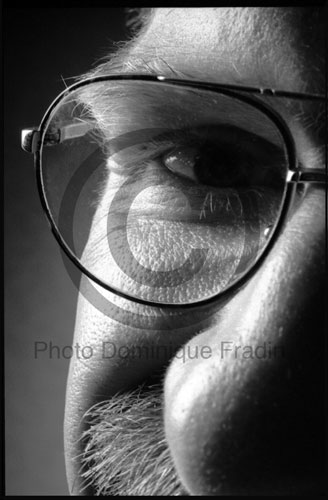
124 60
136 57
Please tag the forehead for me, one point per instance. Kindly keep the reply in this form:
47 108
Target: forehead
270 47
253 46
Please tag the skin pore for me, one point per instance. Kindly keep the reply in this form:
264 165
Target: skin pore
215 425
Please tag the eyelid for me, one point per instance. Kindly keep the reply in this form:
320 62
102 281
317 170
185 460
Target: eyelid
134 157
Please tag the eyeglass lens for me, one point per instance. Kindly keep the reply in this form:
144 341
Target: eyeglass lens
165 193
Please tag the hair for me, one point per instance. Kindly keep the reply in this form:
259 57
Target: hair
126 452
137 18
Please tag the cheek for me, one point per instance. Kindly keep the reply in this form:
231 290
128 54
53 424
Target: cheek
241 423
159 238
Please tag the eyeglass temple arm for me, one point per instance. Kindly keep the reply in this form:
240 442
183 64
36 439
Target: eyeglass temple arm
31 141
31 138
310 175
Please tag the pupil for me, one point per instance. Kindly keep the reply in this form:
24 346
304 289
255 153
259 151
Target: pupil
215 166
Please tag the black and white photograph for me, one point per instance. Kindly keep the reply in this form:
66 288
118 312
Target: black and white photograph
165 250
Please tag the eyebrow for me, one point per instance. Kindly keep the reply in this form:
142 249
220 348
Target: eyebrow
146 60
122 62
126 61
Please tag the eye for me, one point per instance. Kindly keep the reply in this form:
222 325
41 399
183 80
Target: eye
225 158
210 165
183 161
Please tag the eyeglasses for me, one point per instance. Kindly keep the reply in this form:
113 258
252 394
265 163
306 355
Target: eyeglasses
166 192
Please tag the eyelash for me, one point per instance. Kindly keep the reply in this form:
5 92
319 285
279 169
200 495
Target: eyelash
158 149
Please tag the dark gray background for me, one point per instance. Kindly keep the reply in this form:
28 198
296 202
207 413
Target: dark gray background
41 45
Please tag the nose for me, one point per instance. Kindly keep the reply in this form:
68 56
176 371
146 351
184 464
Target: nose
247 421
233 424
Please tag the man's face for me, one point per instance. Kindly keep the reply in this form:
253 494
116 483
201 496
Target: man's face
225 424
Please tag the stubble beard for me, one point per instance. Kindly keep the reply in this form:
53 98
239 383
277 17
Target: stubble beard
126 452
